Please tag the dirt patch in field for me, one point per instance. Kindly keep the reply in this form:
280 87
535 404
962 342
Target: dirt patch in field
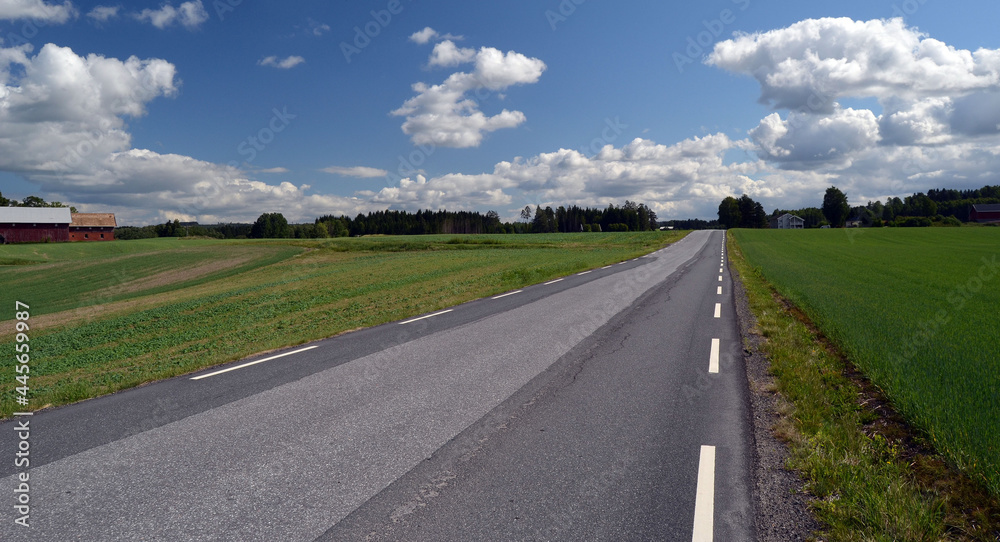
94 311
173 276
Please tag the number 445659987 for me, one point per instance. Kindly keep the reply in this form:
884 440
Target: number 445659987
22 351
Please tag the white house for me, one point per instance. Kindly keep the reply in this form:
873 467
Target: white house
789 222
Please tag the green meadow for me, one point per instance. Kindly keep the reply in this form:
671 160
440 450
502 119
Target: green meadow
917 310
109 316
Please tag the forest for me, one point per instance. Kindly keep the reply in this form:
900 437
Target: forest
628 217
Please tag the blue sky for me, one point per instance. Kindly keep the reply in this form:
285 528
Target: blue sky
227 111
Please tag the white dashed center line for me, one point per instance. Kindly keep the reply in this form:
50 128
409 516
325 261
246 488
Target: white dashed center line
704 503
255 362
713 357
427 316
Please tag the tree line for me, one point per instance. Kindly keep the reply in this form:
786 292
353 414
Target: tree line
941 206
629 217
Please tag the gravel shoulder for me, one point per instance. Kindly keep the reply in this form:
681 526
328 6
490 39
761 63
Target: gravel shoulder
780 501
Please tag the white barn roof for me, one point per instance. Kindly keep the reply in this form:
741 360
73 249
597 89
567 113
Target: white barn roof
35 215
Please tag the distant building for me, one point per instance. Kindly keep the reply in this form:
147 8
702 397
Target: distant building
788 222
34 224
92 227
985 213
54 224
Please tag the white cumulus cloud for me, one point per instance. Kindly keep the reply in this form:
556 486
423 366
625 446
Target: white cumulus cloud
189 14
447 55
103 13
12 10
361 172
283 63
818 60
428 35
937 123
802 141
444 115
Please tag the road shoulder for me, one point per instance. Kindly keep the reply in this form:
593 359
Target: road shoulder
780 501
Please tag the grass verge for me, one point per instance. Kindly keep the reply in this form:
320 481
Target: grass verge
873 478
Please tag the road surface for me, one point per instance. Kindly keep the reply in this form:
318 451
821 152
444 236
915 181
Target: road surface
609 405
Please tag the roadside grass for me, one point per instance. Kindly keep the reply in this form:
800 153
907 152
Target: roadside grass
315 289
873 477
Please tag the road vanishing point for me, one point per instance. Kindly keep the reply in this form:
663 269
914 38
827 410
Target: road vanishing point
608 405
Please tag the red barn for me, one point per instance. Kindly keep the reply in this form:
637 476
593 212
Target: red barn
92 227
985 213
34 224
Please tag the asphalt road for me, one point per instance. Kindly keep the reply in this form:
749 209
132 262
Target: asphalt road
610 405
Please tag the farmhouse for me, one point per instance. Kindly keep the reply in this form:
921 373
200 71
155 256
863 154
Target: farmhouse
34 224
92 227
788 222
985 213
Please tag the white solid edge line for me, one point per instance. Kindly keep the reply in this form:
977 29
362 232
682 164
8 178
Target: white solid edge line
719 291
713 357
553 282
427 316
718 310
704 501
508 293
255 362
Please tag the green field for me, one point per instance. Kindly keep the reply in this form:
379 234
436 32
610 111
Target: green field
108 316
917 311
